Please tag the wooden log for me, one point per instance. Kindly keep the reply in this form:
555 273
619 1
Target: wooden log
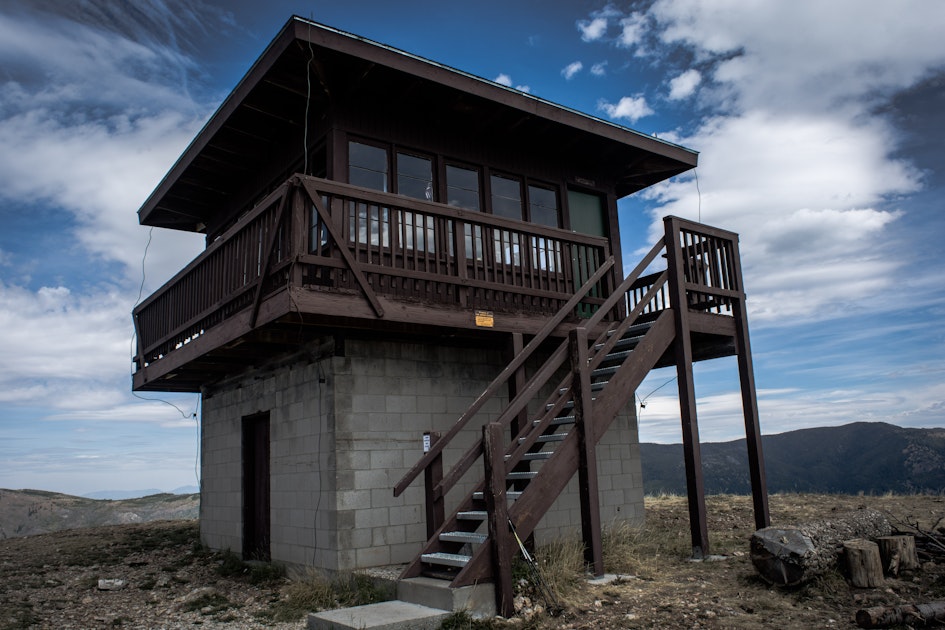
915 615
898 553
791 555
863 563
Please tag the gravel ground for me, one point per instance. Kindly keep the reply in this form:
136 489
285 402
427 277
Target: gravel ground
167 580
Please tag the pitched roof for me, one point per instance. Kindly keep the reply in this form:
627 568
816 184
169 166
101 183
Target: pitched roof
308 65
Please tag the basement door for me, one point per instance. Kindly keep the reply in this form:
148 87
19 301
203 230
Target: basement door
256 499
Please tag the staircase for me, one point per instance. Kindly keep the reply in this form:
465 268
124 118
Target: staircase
604 360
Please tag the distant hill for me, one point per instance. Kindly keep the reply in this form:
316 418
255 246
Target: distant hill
28 512
867 457
134 494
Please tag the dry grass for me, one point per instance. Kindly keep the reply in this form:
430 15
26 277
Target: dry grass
312 590
663 588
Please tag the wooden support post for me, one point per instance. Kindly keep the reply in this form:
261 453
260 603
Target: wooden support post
746 374
433 475
587 451
516 384
498 517
687 396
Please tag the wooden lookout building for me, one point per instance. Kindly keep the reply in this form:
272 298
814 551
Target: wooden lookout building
411 323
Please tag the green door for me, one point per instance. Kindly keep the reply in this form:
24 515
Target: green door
588 216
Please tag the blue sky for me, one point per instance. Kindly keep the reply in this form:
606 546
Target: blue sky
819 127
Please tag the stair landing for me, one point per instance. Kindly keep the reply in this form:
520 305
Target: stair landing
393 615
422 603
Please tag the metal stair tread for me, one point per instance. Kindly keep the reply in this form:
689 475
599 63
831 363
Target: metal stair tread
471 515
533 456
549 437
510 494
516 475
448 559
463 537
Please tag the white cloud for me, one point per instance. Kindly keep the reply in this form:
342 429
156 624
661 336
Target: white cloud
630 107
506 80
684 85
802 192
632 30
572 69
599 69
807 56
593 29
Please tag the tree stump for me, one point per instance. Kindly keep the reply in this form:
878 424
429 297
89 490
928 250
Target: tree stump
791 555
898 553
863 563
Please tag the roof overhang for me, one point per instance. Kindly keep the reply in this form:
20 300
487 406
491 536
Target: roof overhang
308 66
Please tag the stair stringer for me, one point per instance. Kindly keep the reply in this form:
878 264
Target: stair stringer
554 475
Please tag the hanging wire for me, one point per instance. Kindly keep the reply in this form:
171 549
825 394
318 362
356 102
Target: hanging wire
695 172
134 336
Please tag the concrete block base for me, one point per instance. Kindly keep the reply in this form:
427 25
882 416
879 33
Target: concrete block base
478 600
393 615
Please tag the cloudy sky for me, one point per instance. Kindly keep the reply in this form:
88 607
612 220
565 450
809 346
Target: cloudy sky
819 127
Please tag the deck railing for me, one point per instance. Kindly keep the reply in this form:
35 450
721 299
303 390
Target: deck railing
328 236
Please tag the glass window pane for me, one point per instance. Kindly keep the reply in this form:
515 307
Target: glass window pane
543 206
506 197
415 176
367 166
462 187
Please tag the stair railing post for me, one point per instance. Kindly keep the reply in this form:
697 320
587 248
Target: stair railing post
682 344
432 476
587 451
498 517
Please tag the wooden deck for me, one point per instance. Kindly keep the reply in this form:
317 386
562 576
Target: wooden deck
333 256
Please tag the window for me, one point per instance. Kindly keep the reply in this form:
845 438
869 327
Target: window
506 197
543 209
415 176
367 166
543 206
462 187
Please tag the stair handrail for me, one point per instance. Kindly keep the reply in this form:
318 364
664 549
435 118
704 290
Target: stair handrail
534 384
503 376
530 432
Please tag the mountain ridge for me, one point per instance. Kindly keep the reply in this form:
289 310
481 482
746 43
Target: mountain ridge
861 457
29 512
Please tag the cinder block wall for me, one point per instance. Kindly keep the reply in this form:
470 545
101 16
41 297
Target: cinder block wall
344 429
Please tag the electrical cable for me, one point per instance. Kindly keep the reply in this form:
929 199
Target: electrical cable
134 335
308 99
695 172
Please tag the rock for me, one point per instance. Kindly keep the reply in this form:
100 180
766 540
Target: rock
111 584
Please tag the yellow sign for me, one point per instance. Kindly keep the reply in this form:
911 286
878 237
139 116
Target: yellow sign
485 319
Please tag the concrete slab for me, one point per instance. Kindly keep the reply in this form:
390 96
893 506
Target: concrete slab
393 615
478 600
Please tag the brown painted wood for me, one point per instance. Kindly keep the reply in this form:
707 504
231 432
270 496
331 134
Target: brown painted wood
432 475
687 396
502 378
498 517
267 256
584 423
256 487
340 243
746 373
